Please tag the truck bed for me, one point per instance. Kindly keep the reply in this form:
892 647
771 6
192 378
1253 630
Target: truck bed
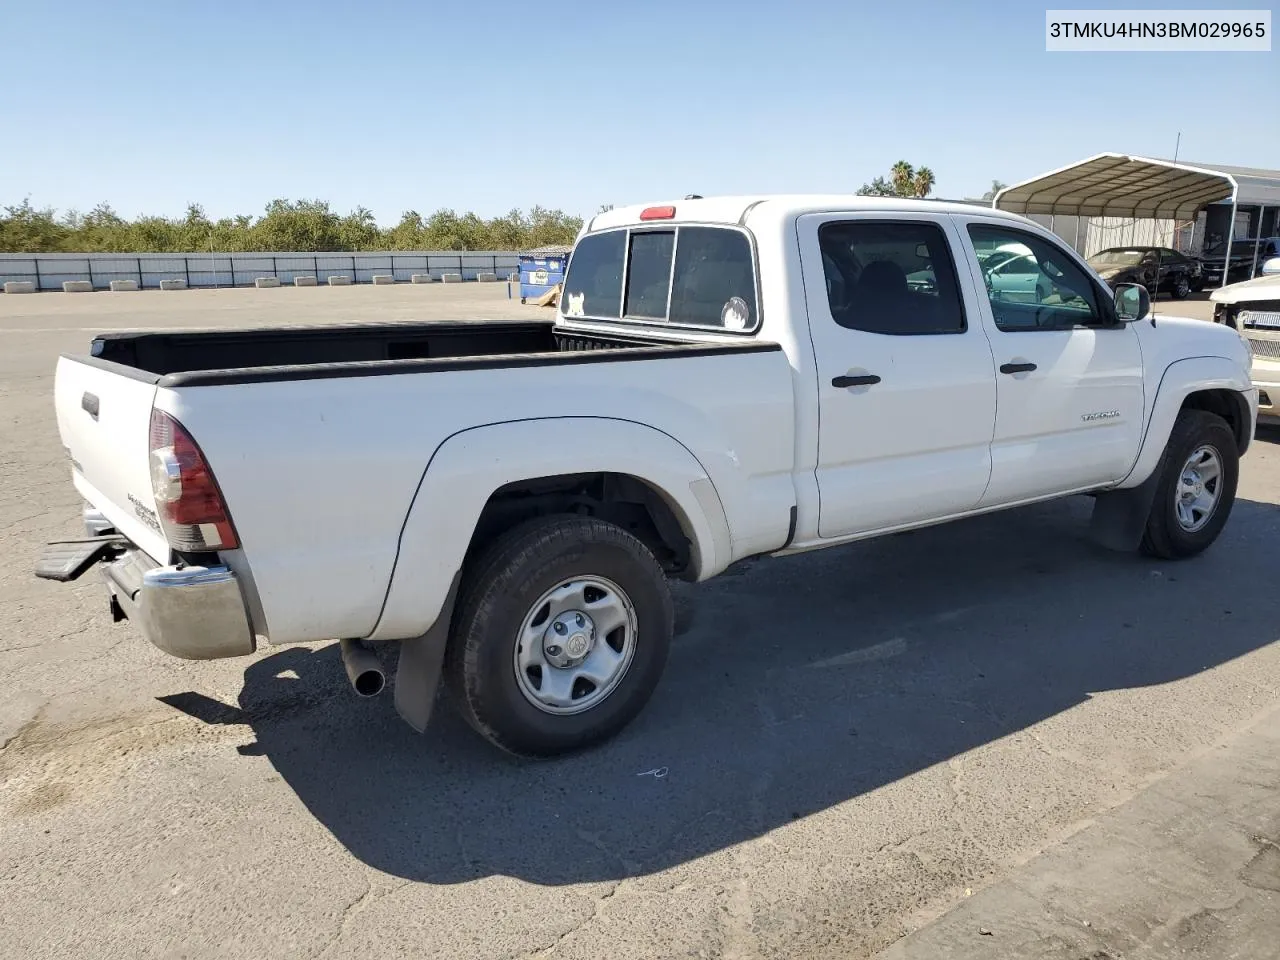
216 357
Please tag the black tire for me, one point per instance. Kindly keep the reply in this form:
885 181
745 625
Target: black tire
1165 537
1181 287
498 592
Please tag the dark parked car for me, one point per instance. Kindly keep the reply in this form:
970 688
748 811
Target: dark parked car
1177 273
1246 255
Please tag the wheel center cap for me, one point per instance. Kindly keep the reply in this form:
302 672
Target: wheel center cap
568 639
576 645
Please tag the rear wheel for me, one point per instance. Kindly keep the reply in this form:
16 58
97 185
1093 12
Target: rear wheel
562 634
1195 489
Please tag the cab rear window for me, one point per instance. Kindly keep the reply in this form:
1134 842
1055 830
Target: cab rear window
685 275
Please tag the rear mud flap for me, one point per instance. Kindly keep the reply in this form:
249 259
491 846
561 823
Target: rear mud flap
418 669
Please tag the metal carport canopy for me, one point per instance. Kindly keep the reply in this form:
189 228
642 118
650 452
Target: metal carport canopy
1117 185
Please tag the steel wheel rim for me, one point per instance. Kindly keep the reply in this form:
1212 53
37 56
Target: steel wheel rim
575 645
1199 488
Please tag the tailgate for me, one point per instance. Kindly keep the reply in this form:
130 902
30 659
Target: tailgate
104 419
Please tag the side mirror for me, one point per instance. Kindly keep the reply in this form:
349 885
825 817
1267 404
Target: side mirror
1132 302
1270 267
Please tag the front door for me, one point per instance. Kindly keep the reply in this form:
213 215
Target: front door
906 385
1069 379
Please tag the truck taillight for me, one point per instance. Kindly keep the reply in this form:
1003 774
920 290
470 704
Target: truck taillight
190 505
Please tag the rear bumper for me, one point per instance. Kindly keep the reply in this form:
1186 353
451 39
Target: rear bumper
197 613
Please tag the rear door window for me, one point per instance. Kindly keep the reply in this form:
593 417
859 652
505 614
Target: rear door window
893 277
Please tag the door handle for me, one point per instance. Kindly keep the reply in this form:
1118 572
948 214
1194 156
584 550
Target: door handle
89 404
1016 367
863 381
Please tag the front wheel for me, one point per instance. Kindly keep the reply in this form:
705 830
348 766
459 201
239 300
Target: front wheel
561 636
1181 287
1195 487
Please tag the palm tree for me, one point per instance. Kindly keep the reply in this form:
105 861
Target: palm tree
903 177
996 187
922 183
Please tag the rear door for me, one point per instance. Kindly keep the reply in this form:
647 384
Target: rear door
1069 384
906 384
104 419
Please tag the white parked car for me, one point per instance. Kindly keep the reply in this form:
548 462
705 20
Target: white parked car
727 378
1011 272
1253 308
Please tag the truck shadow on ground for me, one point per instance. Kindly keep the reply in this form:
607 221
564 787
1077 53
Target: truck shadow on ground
804 682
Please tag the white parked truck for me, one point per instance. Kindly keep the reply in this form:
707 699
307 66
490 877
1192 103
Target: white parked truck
726 378
1253 308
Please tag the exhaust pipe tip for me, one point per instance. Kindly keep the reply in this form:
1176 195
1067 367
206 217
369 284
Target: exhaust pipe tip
369 683
364 670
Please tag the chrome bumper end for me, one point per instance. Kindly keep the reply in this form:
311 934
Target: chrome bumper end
196 613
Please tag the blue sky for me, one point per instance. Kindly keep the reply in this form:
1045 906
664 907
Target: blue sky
494 105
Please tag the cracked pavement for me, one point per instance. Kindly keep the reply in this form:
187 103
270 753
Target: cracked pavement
854 739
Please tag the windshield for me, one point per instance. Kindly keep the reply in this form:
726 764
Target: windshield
1117 258
1239 248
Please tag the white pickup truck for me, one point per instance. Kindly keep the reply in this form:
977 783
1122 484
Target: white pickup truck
1253 308
726 378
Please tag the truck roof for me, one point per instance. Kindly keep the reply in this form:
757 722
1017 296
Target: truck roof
732 209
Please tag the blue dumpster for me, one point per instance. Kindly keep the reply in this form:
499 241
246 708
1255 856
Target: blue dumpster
542 269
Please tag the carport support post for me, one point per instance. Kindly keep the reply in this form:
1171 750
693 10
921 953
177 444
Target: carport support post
1257 244
1231 232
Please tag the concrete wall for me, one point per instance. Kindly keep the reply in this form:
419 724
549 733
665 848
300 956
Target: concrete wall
49 271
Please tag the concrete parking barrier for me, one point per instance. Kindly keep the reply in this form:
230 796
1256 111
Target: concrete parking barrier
305 281
487 277
19 286
339 281
173 284
77 286
124 286
382 279
266 283
450 278
420 278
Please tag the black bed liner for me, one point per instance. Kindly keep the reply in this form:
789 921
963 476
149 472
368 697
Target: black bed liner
219 357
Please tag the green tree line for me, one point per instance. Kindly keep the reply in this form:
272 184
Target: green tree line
309 225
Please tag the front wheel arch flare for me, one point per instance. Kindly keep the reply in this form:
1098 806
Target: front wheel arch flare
1181 380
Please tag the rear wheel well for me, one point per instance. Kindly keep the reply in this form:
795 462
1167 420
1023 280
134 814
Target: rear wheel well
621 499
1230 406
